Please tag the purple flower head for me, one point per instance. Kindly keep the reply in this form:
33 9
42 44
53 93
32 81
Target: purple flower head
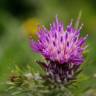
62 49
59 44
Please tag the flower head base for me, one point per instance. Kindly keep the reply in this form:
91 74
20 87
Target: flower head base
62 48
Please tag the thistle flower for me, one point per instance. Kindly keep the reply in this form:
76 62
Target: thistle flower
62 49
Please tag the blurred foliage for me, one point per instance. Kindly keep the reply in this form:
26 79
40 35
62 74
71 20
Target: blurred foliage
14 45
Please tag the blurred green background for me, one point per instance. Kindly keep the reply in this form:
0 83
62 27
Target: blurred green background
16 19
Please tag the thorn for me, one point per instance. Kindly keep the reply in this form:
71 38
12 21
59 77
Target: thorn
78 20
